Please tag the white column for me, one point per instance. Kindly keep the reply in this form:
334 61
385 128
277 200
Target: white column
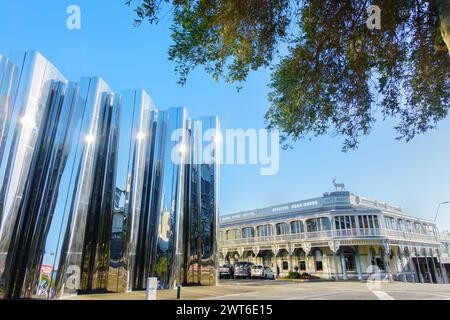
402 266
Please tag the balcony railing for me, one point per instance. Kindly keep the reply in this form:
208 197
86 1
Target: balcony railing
334 234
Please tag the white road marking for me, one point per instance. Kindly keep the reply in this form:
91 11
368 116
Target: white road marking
422 294
314 296
382 295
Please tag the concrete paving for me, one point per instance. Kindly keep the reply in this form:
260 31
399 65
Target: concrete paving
289 290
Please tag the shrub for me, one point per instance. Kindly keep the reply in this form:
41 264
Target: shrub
293 275
307 276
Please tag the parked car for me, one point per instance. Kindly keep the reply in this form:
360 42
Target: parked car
242 270
262 272
226 271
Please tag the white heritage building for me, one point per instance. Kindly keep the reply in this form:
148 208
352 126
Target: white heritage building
337 236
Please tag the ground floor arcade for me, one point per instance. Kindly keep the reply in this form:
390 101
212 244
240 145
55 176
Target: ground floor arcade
346 260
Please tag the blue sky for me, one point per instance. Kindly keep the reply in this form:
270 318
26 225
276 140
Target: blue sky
414 175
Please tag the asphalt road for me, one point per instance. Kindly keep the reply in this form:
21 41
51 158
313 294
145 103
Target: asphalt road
287 290
325 290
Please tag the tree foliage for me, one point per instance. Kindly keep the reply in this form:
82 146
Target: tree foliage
337 75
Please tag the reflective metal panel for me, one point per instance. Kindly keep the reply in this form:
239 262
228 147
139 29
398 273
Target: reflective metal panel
26 249
148 225
21 134
135 134
202 210
191 272
75 195
9 74
95 264
172 131
209 199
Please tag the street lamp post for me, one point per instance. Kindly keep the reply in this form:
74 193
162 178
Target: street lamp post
443 271
439 206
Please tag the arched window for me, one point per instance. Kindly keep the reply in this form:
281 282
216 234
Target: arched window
282 228
248 232
312 225
265 230
297 227
232 234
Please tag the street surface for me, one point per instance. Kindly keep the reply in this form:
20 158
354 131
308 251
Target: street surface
290 290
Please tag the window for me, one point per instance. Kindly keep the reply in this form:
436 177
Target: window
232 234
312 225
400 225
408 226
368 221
248 232
375 220
318 260
348 224
318 224
302 265
364 223
285 265
390 223
417 227
345 222
282 228
371 224
265 230
337 223
426 229
297 227
325 224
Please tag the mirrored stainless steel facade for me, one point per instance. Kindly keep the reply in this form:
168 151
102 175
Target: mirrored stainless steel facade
134 138
202 203
172 135
33 89
100 190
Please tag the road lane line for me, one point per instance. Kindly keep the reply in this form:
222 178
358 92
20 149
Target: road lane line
382 295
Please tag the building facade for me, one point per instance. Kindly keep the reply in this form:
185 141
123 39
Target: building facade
337 236
99 189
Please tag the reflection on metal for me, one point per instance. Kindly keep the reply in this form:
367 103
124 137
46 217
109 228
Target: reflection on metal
169 253
200 261
100 187
30 90
95 99
134 137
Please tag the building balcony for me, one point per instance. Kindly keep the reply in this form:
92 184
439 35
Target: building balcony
357 233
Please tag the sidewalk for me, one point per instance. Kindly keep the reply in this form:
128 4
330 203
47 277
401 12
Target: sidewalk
187 293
